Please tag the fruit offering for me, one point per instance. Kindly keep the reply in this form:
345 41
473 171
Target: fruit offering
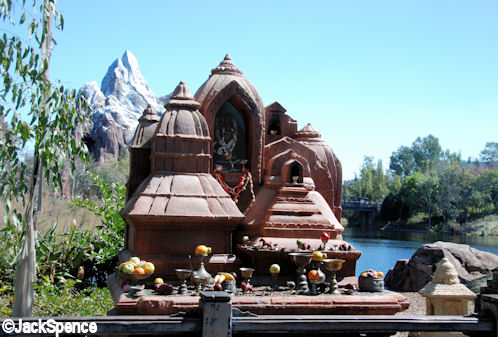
325 236
136 266
275 269
372 273
202 250
313 275
222 277
319 256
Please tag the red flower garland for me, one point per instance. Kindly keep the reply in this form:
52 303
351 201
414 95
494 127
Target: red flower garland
234 192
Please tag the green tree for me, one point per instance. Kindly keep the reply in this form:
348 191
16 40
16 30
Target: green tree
419 193
489 154
454 191
402 162
40 114
486 182
426 152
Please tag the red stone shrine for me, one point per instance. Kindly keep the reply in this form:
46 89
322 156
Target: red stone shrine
223 139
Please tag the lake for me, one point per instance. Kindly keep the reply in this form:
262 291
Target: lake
381 250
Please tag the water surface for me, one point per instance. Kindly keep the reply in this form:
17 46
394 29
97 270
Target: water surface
381 250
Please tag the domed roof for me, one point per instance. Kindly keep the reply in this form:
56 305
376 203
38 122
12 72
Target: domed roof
222 76
182 117
145 129
331 189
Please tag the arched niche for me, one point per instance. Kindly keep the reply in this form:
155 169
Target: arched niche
294 172
252 115
274 127
230 141
286 163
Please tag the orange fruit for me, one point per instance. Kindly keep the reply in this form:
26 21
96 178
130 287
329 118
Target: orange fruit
202 250
139 270
313 275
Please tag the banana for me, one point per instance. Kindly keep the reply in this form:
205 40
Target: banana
216 278
221 279
121 265
228 276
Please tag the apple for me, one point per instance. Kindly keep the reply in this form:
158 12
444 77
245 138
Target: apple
158 280
141 263
135 260
325 236
274 268
218 287
128 268
148 267
299 242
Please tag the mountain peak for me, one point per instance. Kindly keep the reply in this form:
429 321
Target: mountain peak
117 106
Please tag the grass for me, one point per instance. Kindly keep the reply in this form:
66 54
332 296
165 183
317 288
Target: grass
62 212
484 226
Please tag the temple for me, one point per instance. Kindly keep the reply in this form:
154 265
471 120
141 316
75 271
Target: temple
219 166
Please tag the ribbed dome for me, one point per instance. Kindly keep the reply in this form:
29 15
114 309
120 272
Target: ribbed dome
182 117
145 129
330 189
222 76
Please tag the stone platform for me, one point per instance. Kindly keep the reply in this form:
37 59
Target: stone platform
276 303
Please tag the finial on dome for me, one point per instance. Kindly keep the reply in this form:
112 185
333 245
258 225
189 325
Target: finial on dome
149 114
308 131
181 96
226 67
182 92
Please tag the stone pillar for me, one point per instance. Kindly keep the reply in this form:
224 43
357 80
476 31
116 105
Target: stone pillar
445 295
216 307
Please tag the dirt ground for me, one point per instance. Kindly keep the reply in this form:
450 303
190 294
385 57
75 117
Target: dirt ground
417 308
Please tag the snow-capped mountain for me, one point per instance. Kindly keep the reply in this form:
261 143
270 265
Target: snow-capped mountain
116 107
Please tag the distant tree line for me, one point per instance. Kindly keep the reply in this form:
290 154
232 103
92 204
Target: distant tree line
422 178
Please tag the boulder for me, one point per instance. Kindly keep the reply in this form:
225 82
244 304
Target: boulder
413 274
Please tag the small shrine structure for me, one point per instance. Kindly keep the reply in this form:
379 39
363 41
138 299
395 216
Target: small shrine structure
219 166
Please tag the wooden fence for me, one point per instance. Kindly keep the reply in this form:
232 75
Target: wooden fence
216 318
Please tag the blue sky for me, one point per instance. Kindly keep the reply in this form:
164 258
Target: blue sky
369 75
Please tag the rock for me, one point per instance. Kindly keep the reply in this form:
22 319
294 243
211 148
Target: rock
115 108
413 274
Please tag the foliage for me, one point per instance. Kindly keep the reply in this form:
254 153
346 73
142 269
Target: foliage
107 240
402 162
371 183
490 153
391 207
34 113
60 255
62 299
424 180
423 155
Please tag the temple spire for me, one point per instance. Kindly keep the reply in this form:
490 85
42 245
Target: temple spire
182 97
226 66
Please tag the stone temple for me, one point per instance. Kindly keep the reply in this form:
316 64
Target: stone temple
218 166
